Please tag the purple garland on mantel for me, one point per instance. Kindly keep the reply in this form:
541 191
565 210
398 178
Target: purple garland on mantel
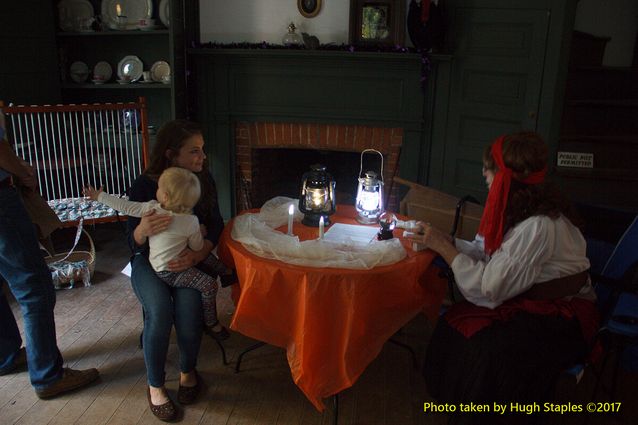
426 63
329 47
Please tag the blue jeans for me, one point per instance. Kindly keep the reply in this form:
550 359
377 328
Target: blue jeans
164 307
29 278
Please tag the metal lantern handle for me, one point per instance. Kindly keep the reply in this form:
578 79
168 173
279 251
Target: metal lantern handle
361 163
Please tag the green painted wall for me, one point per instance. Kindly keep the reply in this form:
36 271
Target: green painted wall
28 57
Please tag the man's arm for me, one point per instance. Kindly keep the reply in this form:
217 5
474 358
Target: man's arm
11 163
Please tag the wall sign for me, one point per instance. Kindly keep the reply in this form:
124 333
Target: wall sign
575 159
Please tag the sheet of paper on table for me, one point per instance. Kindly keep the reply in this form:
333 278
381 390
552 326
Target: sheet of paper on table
351 233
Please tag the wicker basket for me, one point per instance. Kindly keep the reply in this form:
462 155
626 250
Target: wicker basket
73 275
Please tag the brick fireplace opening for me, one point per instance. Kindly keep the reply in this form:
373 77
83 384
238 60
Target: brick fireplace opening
272 157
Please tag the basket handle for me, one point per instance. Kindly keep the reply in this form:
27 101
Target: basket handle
77 239
91 244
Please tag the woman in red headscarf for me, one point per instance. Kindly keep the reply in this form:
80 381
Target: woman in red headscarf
529 311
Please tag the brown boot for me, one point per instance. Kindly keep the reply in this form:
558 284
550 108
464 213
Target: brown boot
71 380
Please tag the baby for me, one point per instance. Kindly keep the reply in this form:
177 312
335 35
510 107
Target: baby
178 191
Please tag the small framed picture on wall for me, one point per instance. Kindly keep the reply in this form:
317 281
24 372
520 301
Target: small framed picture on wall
309 8
377 22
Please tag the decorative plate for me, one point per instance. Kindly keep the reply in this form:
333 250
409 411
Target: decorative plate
104 69
134 10
159 70
130 66
79 72
165 13
72 13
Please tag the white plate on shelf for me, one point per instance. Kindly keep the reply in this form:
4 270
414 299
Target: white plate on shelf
104 69
79 72
159 70
130 66
73 12
165 13
134 10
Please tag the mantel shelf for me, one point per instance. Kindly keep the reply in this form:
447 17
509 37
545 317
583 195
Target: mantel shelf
114 86
111 33
305 54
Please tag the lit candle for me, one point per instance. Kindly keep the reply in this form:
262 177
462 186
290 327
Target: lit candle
291 210
118 9
321 227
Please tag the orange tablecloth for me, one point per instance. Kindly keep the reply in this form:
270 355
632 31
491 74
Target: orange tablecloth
332 322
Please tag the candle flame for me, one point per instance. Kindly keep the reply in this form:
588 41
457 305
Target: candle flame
118 9
321 220
291 209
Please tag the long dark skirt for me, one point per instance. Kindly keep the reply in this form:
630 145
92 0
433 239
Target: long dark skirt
518 361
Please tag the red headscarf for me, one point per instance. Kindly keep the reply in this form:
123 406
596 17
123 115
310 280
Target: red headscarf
493 219
425 10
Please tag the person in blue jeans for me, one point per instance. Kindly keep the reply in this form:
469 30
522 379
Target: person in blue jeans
179 143
23 268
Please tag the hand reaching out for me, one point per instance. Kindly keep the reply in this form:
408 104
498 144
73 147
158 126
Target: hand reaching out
430 236
92 192
436 240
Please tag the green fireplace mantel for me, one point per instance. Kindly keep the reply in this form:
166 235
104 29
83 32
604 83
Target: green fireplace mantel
331 87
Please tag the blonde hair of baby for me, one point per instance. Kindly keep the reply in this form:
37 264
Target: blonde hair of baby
182 190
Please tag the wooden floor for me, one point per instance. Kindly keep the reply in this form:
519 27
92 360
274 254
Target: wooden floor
99 326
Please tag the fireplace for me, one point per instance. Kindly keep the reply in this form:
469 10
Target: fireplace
271 158
333 102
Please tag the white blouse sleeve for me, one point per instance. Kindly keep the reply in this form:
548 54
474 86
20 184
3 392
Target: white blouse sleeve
475 248
512 269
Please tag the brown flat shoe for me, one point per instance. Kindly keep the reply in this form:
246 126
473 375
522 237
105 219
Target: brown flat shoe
188 395
164 412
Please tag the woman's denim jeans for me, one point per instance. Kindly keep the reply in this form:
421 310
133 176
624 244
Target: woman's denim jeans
164 306
23 267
